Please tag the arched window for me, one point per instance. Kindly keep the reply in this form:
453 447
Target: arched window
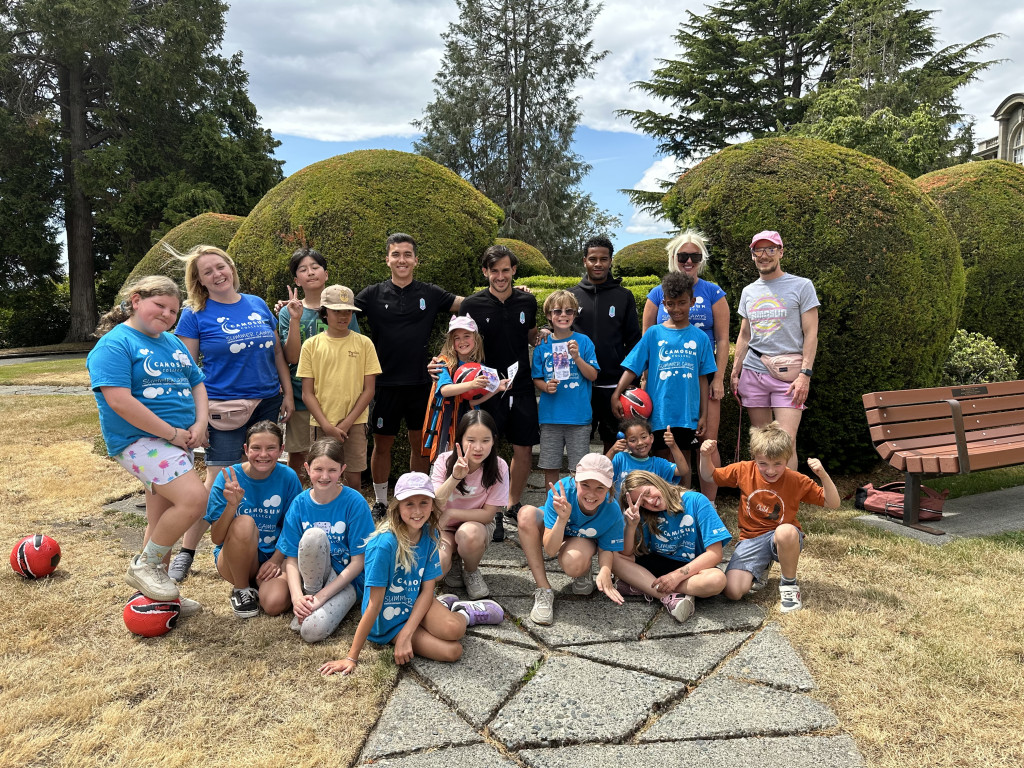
1017 146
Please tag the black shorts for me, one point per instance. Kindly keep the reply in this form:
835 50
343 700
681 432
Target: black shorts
685 439
658 565
604 420
518 424
392 405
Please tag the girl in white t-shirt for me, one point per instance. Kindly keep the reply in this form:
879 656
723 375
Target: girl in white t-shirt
472 485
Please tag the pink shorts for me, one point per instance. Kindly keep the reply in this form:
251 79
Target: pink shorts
762 390
155 461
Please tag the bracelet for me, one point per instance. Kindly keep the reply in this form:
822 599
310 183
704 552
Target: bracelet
174 435
349 658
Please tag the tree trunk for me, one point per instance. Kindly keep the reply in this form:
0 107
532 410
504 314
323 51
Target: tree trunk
77 211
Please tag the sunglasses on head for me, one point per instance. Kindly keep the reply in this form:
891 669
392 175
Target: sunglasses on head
682 257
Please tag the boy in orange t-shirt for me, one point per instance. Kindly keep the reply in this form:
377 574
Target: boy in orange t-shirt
770 494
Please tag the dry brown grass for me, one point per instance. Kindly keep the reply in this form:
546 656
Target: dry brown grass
919 649
77 689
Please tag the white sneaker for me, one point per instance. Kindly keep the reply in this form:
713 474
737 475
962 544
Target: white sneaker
543 606
189 607
679 606
476 587
150 580
583 585
295 626
789 598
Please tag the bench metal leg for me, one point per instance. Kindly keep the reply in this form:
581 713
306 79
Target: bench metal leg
912 505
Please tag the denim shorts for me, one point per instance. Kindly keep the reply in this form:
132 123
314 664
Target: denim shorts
757 554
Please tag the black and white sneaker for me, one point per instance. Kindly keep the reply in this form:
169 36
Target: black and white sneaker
245 603
378 510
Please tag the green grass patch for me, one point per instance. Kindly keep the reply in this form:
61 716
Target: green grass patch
53 349
978 482
30 373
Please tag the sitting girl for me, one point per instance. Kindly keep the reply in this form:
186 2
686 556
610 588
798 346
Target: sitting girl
402 564
473 480
247 505
323 538
680 543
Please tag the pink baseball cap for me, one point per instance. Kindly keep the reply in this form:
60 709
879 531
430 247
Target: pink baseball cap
770 235
596 466
414 484
463 322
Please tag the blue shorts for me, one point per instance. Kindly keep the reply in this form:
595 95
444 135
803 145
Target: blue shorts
226 445
757 554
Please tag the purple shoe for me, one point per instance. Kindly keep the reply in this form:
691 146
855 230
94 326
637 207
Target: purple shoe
448 600
480 611
628 590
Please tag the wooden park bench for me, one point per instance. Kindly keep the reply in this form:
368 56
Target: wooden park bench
945 431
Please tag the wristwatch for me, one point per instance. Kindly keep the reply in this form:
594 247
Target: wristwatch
808 372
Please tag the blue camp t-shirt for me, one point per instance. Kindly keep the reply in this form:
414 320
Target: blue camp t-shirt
159 372
403 587
687 534
705 295
236 342
310 324
606 525
346 521
674 359
570 404
265 501
624 462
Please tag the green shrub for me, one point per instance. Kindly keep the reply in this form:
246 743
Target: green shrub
984 204
531 260
883 259
647 257
346 206
205 229
542 286
34 317
976 359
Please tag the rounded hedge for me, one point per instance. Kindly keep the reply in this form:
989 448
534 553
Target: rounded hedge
984 203
884 261
531 261
346 206
205 229
647 257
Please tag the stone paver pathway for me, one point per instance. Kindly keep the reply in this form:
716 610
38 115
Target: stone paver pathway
608 687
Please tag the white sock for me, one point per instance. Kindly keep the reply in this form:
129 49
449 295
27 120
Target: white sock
380 492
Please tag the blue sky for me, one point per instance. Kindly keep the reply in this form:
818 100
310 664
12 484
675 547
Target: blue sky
329 77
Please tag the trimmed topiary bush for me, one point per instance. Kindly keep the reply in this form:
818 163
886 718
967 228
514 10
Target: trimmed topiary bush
976 359
984 204
205 229
647 257
883 259
543 286
531 261
346 206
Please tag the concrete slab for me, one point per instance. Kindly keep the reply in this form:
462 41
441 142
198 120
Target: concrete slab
679 658
506 632
790 751
770 659
984 514
413 720
456 757
7 390
518 582
129 505
727 708
482 679
593 619
716 614
573 700
504 553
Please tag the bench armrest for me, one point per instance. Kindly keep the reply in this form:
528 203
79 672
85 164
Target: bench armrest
961 436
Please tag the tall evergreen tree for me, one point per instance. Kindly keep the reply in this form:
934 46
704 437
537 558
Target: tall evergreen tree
152 123
504 115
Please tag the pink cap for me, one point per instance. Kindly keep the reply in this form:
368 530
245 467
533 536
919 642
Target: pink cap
413 484
770 235
465 323
596 466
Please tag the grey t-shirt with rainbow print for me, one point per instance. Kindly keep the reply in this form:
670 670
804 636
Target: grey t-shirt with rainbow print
773 309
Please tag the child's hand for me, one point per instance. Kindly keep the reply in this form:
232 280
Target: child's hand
604 583
344 666
574 350
302 607
632 510
503 385
294 305
461 467
269 570
670 439
670 582
702 424
551 386
233 492
708 447
815 466
403 648
562 506
620 445
480 382
617 408
197 435
334 431
717 389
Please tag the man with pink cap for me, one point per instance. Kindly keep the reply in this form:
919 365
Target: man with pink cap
780 317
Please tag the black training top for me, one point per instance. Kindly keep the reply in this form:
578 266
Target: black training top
401 320
608 316
505 327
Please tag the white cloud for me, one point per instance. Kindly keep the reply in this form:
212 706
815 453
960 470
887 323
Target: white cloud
642 222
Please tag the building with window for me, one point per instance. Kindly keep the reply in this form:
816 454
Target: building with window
1009 144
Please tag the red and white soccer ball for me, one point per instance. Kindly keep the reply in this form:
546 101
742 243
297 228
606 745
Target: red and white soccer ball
150 618
468 372
636 402
35 556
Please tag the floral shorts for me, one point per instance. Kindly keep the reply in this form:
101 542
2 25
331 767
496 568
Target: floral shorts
155 461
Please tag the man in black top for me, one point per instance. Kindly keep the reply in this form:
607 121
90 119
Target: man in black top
608 317
401 313
507 320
